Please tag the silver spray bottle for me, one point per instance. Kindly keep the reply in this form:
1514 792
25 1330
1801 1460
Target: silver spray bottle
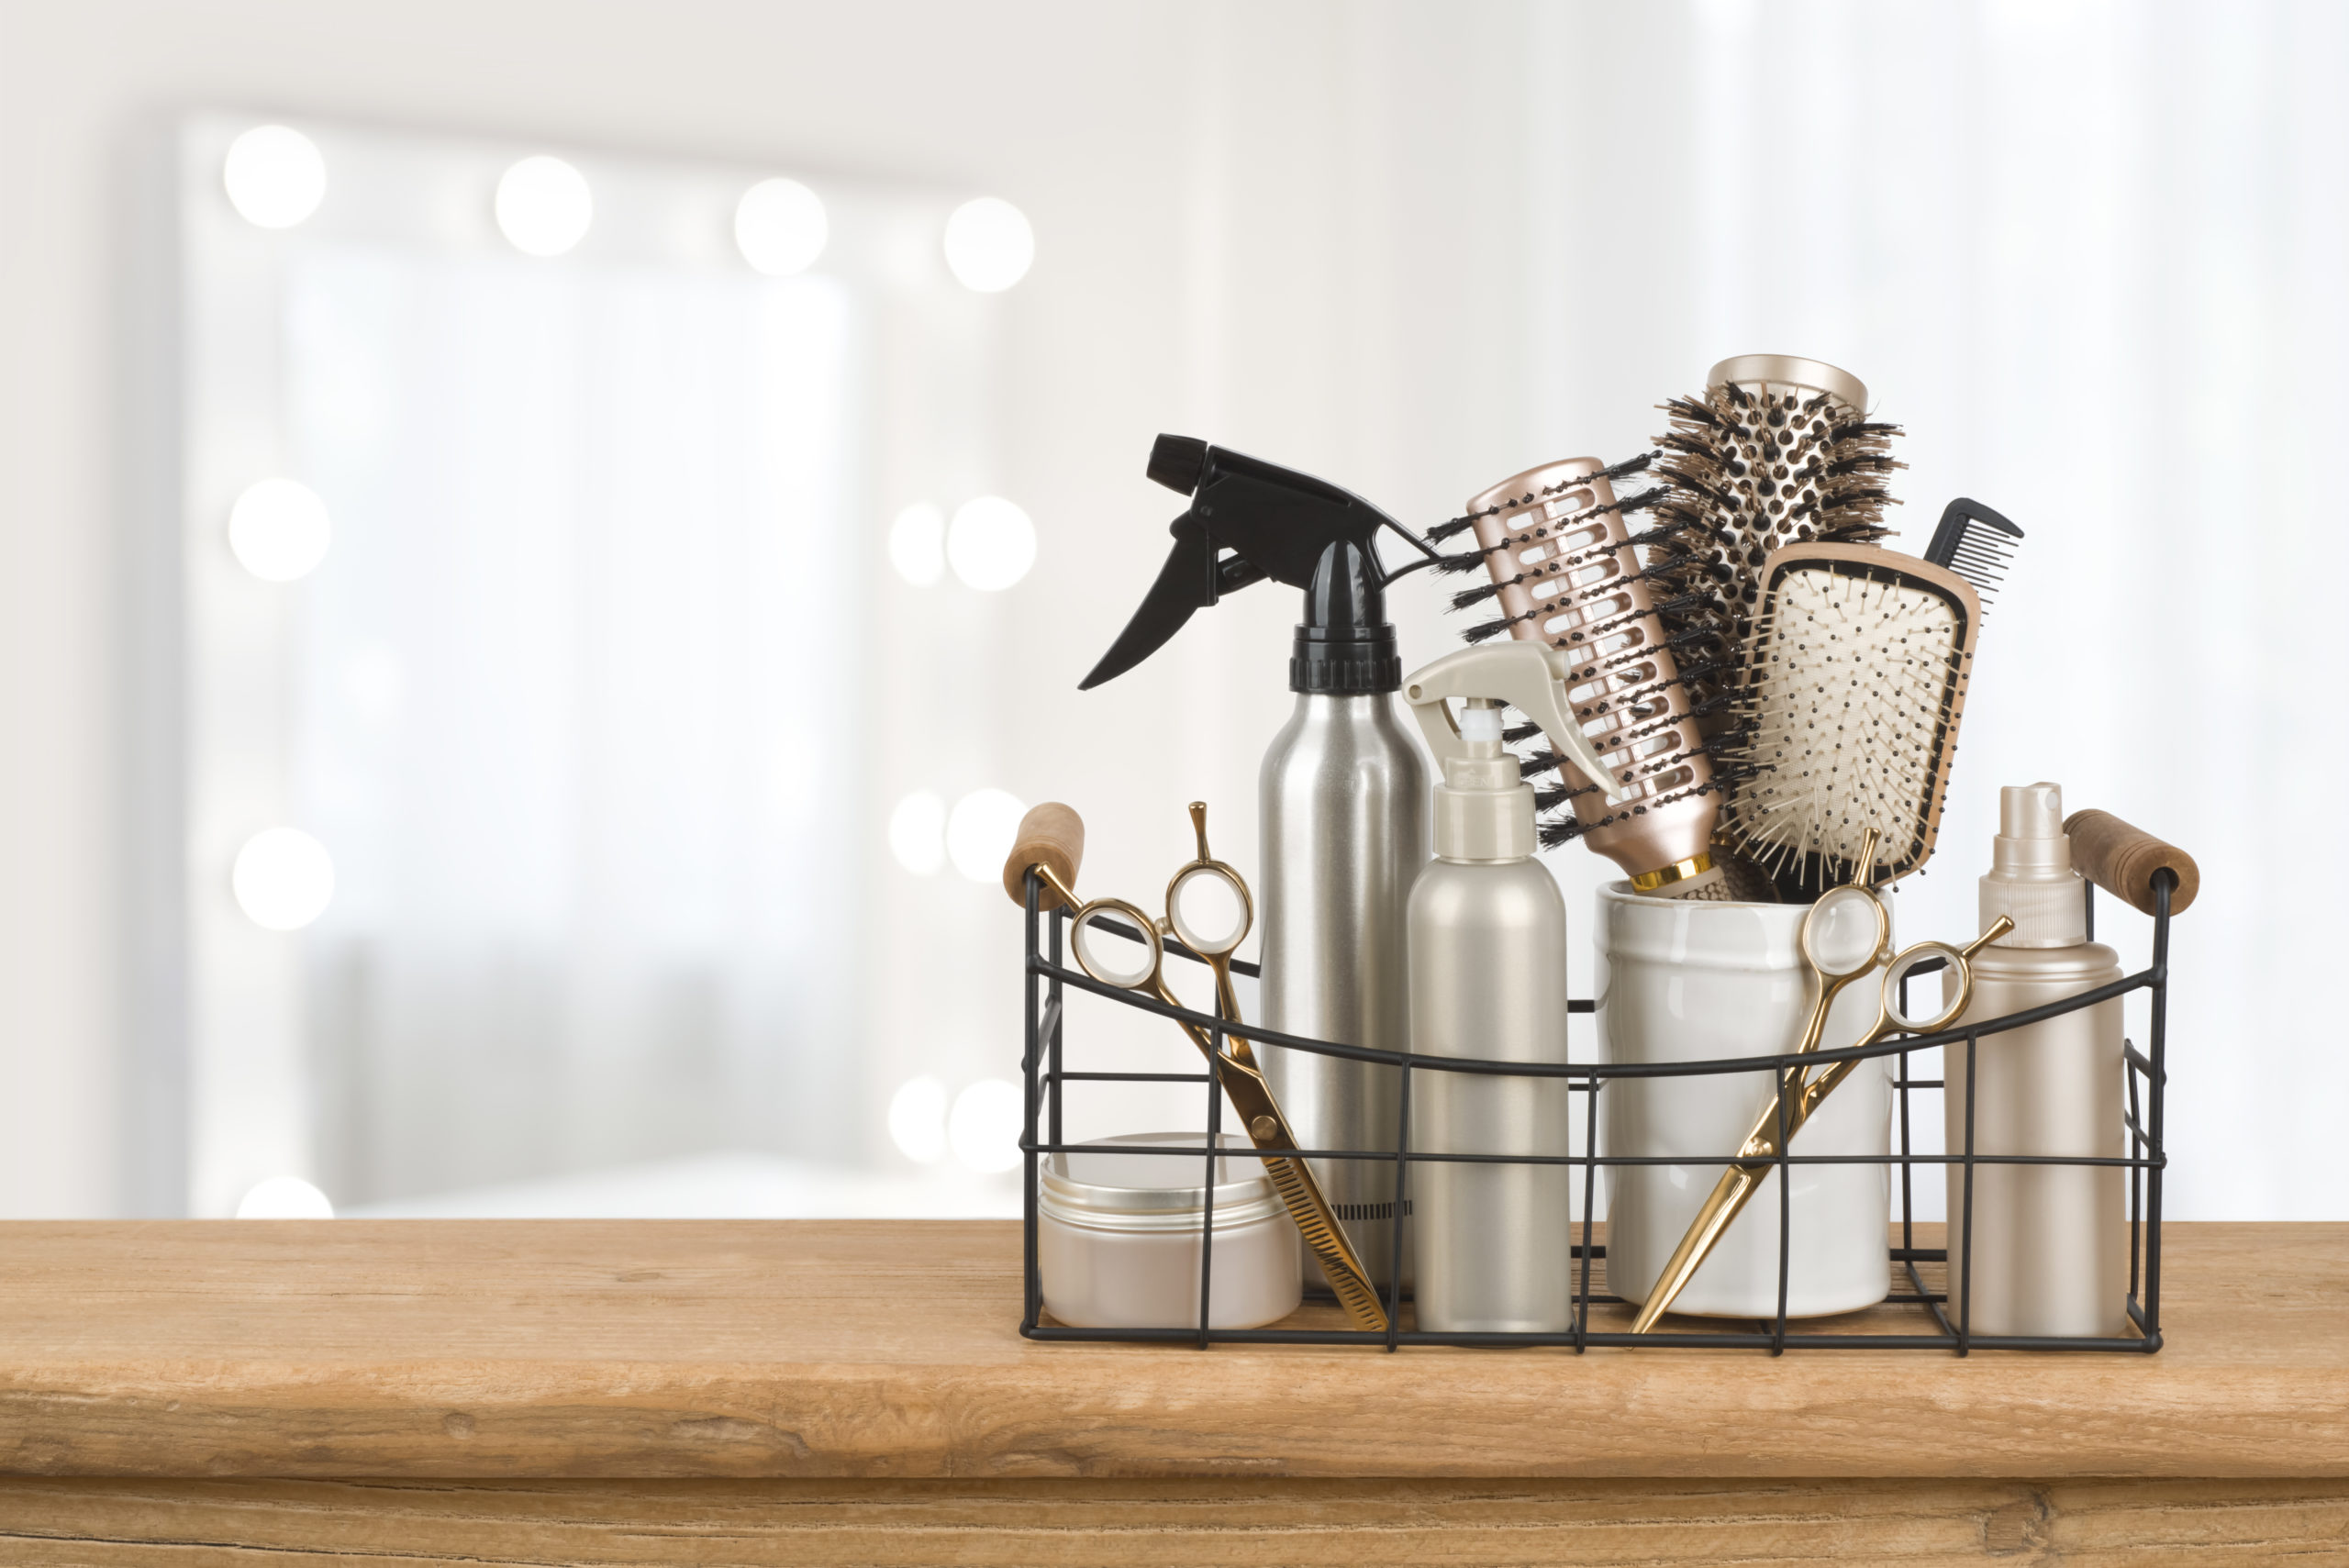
1344 793
1488 931
2050 1243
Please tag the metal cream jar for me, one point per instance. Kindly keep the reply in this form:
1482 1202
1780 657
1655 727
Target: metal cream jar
1118 1237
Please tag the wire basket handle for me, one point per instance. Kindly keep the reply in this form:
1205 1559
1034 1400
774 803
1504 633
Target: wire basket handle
2122 860
1051 841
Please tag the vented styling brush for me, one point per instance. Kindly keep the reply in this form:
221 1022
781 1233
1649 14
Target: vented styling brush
1554 543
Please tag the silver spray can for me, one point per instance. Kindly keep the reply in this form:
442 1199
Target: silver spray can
1344 800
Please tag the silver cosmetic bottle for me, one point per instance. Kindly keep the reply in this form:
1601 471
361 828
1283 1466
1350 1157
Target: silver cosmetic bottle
1487 932
2050 1243
1343 793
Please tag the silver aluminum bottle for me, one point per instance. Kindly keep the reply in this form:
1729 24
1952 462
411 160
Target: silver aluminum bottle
2050 1243
1345 798
1487 932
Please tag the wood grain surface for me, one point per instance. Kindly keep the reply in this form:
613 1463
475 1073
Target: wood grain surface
1097 1524
401 1350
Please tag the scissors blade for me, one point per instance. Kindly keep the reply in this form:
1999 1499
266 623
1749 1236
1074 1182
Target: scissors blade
1300 1193
1302 1196
1723 1206
1755 1158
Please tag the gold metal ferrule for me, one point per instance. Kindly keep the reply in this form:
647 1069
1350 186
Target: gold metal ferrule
1678 871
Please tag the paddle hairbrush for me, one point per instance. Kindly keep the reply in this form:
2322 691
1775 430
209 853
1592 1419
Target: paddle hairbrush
1848 707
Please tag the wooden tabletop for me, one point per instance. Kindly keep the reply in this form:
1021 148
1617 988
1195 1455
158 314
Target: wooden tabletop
440 1349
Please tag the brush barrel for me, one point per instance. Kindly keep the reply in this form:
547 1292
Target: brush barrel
2122 860
1762 374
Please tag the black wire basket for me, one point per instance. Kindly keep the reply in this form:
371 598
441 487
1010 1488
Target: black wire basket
1940 1324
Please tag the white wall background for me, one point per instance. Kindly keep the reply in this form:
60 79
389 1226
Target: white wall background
2090 255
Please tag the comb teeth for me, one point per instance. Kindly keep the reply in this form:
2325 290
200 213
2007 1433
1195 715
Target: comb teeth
1977 544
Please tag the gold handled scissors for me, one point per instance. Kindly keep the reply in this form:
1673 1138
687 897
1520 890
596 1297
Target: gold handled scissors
1209 911
1846 935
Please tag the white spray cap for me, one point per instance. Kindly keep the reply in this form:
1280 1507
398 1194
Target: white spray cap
2031 880
1484 811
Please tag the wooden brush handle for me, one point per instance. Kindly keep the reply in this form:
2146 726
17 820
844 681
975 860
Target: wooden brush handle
2121 860
1050 835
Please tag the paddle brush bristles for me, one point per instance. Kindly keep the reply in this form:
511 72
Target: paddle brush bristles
1847 713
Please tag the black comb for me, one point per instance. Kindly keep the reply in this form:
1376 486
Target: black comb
1977 544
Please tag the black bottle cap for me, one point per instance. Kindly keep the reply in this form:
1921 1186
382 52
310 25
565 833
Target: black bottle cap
1177 462
1344 646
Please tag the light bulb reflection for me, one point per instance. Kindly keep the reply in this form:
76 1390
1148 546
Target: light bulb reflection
284 1197
279 530
917 833
917 1119
989 246
284 879
917 544
543 206
991 544
779 227
275 176
983 1127
980 831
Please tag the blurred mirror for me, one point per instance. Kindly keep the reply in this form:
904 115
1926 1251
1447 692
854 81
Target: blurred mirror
536 550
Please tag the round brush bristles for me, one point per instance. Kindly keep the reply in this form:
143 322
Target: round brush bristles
1748 468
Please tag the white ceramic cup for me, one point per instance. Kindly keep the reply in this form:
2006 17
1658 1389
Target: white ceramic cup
1691 980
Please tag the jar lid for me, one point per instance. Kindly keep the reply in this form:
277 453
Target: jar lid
1104 1180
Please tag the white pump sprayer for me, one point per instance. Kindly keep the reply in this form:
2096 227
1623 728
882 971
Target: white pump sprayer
1483 810
1486 933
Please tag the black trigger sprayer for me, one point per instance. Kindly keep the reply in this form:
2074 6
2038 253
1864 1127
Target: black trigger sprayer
1344 797
1273 522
